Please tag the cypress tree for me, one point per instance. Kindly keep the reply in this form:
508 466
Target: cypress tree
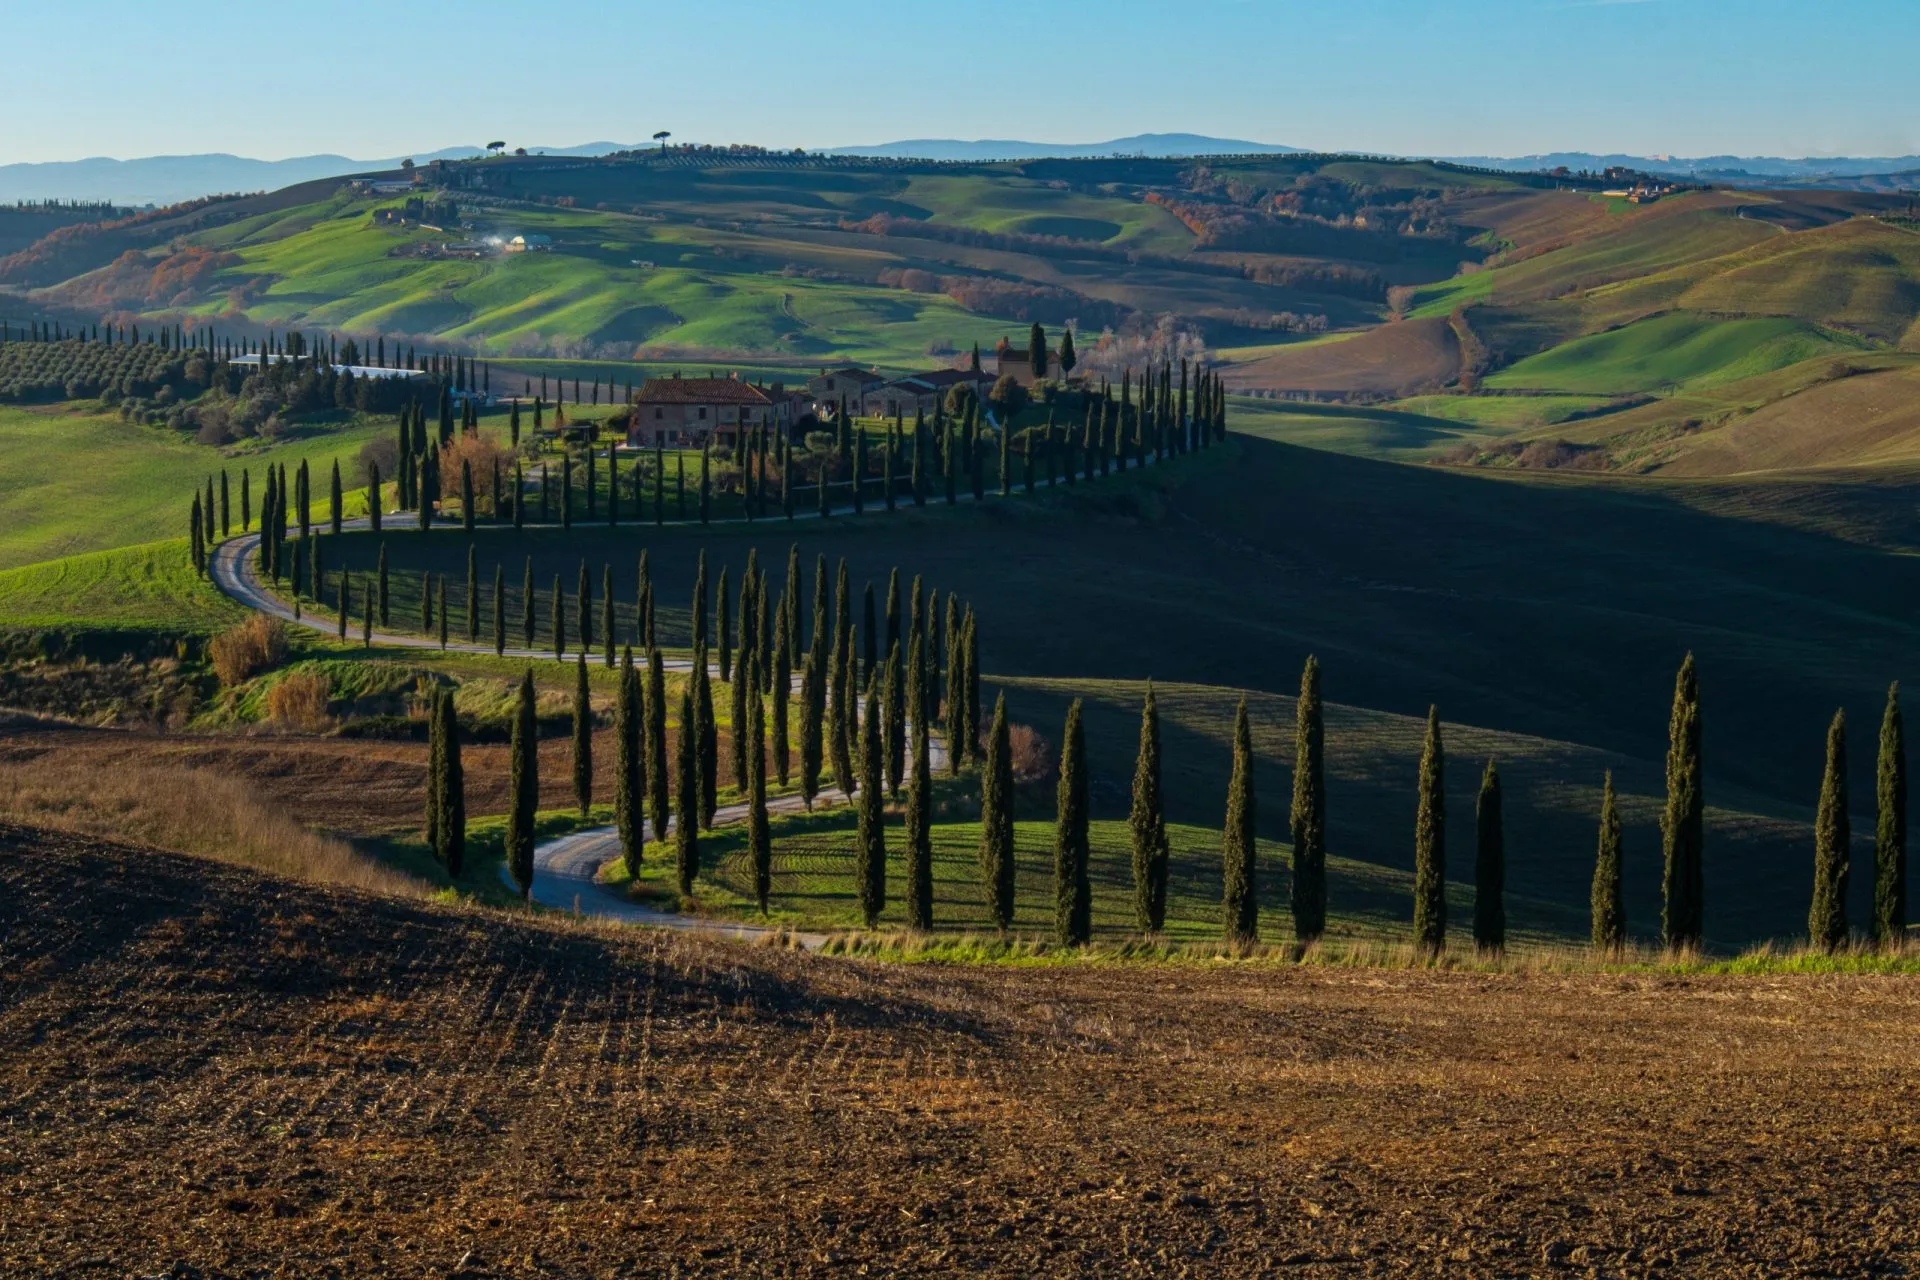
737 747
559 618
782 693
440 603
453 792
499 609
1430 845
366 608
1890 828
629 804
996 819
225 508
582 737
872 869
655 753
1608 902
436 772
972 684
699 640
812 701
1309 815
1682 826
1072 891
686 814
706 482
566 492
523 788
529 605
1489 866
895 695
196 541
246 500
473 594
426 603
723 624
1240 903
345 605
1147 824
869 666
919 803
709 739
608 615
1832 836
519 496
380 585
583 609
335 500
843 722
759 839
466 496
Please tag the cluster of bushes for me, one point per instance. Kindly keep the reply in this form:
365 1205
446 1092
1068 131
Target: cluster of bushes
74 369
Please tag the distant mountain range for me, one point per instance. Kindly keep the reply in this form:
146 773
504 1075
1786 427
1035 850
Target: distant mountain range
1141 144
167 179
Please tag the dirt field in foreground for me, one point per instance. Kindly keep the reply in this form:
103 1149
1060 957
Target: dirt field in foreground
205 1072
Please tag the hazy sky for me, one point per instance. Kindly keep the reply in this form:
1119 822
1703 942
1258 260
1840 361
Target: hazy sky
1446 77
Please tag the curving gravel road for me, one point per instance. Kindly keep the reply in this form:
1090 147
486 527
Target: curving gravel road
565 870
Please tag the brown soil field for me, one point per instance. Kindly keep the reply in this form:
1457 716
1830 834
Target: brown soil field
206 1072
1398 359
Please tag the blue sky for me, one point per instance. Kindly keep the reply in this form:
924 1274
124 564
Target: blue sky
1447 77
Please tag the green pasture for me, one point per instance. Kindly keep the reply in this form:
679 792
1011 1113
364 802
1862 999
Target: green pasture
1679 350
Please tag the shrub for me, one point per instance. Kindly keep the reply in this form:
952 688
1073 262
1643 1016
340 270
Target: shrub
300 702
253 646
1032 754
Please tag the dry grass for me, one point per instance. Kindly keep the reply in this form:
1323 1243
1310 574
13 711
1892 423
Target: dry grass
195 811
242 652
300 702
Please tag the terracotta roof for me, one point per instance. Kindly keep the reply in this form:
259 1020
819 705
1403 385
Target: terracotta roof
699 391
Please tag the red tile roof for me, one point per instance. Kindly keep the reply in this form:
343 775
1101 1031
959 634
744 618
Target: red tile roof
700 391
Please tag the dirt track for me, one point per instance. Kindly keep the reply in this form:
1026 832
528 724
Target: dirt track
201 1066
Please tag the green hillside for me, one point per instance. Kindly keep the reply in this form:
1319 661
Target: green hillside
1677 351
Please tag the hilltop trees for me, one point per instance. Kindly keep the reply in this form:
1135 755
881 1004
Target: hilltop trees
523 788
1147 824
1832 835
1309 814
1682 826
1890 827
1240 905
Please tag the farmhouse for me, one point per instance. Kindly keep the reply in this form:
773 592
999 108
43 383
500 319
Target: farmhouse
850 383
1015 361
679 410
530 244
917 392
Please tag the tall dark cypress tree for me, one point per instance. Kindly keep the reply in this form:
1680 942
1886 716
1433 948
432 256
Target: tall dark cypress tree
1682 826
452 792
440 603
1890 827
1072 889
436 772
1832 839
686 811
1489 866
919 801
608 615
996 820
737 746
723 626
335 499
1147 825
699 639
759 837
894 695
1309 816
781 690
1240 902
473 594
583 609
529 606
559 619
709 739
1608 903
656 750
872 869
582 737
629 803
523 788
499 609
1430 845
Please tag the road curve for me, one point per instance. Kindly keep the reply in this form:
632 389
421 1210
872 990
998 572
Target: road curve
565 870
